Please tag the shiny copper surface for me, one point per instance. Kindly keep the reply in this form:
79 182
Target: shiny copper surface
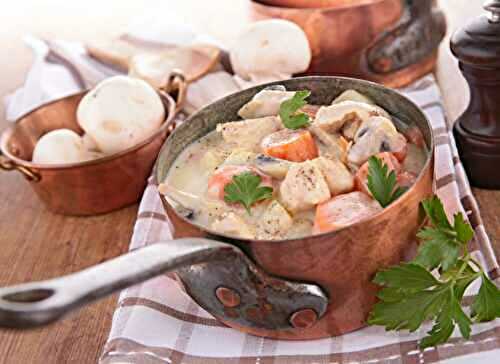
228 297
87 188
343 33
316 3
304 319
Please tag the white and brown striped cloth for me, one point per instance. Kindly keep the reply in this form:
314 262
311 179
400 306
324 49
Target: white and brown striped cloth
156 322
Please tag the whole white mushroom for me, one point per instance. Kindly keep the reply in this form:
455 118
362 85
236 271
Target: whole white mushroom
120 112
270 50
59 146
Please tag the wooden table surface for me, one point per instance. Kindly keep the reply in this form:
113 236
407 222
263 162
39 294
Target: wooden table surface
35 244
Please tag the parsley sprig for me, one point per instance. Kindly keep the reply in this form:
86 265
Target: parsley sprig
382 183
432 286
245 189
289 111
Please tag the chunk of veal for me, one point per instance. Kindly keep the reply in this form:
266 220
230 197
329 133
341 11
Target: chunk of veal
375 135
331 145
232 224
344 210
333 118
303 187
274 167
274 223
240 157
291 145
213 158
337 176
265 103
247 134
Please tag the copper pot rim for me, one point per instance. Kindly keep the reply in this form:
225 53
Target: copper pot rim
428 165
359 3
170 111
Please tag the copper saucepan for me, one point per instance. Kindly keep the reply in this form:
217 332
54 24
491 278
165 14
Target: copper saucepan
87 188
306 288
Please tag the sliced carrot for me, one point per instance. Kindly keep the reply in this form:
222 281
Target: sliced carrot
292 145
361 178
343 210
414 136
224 175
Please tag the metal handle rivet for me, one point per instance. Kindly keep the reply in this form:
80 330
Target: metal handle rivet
228 297
303 319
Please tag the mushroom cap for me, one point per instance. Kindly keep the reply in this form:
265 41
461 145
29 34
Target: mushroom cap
59 146
120 112
273 46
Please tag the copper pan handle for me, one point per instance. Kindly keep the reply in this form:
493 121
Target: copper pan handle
40 303
9 165
177 83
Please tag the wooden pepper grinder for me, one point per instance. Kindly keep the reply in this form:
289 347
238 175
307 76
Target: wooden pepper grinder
477 131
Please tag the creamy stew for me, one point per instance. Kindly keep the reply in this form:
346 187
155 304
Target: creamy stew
312 178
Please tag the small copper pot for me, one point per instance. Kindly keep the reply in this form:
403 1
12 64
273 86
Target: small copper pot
388 41
88 188
305 288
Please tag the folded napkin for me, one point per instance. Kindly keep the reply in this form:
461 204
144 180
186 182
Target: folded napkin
156 322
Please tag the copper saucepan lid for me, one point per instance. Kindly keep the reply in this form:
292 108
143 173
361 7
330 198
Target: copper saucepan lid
307 288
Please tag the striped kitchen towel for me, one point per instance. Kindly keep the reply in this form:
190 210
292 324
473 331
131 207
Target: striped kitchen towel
156 322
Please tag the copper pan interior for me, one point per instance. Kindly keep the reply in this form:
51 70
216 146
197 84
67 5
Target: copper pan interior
324 90
18 141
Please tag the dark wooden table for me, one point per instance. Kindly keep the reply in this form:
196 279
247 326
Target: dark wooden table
35 244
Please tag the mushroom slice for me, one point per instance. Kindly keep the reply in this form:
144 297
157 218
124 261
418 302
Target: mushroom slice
265 103
232 224
155 68
338 177
270 49
274 167
353 95
333 118
274 222
331 145
208 89
303 187
376 135
247 134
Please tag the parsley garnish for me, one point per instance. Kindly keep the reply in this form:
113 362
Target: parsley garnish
412 294
291 118
382 183
245 189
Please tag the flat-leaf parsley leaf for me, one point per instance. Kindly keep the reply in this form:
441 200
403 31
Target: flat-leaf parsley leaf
245 189
289 111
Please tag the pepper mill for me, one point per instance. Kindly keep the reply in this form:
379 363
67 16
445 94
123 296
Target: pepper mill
477 130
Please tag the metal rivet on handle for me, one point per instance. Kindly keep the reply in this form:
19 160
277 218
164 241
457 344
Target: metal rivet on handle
228 297
303 319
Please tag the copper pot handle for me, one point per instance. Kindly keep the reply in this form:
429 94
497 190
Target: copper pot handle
9 165
239 285
176 83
